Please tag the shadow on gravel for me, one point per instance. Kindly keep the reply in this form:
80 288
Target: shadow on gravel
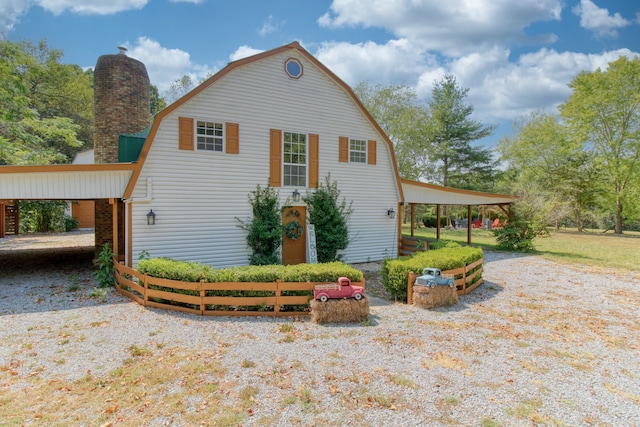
23 262
50 279
480 295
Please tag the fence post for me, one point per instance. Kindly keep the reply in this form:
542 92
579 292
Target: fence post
146 286
202 292
412 278
464 278
276 306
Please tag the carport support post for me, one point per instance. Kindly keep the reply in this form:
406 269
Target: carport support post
413 216
2 224
469 224
114 204
437 222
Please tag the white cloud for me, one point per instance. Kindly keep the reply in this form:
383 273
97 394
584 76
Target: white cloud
397 60
269 26
166 65
12 10
598 19
500 88
454 27
503 90
90 7
10 13
244 51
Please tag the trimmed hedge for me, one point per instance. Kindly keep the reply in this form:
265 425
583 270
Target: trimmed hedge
440 244
184 271
396 271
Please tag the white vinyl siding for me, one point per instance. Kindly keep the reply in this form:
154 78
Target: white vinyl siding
198 199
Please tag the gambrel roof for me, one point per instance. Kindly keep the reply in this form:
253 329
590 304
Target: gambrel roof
241 63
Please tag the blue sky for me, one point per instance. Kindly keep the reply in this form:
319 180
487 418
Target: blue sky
515 57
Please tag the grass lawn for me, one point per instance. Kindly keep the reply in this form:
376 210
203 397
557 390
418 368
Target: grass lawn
592 248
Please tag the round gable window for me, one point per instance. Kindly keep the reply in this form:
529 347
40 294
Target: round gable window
293 68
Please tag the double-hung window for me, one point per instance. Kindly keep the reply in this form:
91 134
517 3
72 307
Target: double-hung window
294 159
357 151
209 136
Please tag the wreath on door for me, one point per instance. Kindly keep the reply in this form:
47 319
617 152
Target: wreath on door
294 229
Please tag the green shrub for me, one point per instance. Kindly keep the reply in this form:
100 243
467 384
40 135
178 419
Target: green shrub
440 244
104 267
70 223
165 268
185 271
430 220
264 231
395 272
329 217
517 235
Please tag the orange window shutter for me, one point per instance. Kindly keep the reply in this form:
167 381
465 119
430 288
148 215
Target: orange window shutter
232 138
371 152
275 158
343 149
185 133
313 160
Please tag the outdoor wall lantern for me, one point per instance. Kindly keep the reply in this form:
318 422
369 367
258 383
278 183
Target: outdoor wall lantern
296 195
151 217
391 213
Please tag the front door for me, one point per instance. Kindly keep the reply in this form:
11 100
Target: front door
294 242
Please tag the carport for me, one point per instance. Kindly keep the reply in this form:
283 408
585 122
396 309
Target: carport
416 192
66 182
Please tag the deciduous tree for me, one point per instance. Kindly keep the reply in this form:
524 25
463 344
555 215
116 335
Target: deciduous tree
397 110
603 113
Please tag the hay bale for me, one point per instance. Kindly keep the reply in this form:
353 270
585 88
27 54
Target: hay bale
340 310
440 296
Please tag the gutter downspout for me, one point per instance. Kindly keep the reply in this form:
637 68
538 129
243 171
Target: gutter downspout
128 230
145 199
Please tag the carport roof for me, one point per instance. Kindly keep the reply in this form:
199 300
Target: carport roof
65 182
430 194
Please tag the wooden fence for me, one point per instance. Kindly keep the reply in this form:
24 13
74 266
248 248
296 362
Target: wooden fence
142 289
411 245
464 284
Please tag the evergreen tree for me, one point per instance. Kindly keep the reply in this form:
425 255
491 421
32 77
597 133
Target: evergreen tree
452 161
329 216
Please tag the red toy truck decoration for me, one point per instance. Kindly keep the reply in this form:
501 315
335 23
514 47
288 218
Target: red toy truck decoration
342 289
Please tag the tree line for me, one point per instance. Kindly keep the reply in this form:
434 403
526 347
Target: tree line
578 166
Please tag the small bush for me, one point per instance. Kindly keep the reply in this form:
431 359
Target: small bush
264 231
330 218
440 244
70 223
185 271
104 267
517 235
395 272
430 220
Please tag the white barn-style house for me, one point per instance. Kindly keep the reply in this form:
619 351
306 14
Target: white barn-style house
279 118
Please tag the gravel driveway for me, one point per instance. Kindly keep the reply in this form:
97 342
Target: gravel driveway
537 344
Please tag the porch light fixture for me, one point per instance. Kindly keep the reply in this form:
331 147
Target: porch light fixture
296 195
391 213
151 217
